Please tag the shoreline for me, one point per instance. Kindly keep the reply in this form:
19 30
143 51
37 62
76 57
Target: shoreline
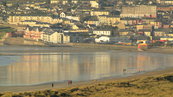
64 84
48 50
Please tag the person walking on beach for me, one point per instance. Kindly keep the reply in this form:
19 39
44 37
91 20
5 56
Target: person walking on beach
166 43
69 82
52 85
124 70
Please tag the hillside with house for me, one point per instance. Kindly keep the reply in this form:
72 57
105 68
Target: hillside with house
91 21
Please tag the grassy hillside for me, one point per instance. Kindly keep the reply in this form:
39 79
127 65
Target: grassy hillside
156 86
19 1
4 29
22 0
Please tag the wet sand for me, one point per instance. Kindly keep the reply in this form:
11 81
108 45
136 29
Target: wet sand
161 50
74 84
108 85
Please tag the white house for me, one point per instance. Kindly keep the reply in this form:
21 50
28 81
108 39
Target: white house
64 2
102 32
102 39
62 15
59 38
94 4
54 1
74 1
76 18
55 37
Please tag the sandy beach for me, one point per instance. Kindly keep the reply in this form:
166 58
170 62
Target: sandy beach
65 88
32 88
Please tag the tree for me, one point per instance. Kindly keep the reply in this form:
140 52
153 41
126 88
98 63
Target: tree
4 3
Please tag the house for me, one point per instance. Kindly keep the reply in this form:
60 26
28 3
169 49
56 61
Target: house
166 2
146 32
166 26
77 31
119 25
77 37
66 21
74 1
99 12
76 18
51 36
169 34
108 20
139 11
171 25
124 32
54 1
130 2
64 2
156 24
139 26
1 19
62 15
92 22
59 38
131 21
83 11
141 38
164 8
102 32
161 32
166 16
148 26
29 4
16 19
45 36
33 23
9 3
148 20
166 38
94 4
33 33
74 26
28 22
120 39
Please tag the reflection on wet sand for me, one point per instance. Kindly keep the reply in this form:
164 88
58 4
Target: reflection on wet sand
43 68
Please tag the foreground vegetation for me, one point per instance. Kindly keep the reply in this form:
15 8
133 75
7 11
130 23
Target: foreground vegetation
4 30
2 34
155 86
